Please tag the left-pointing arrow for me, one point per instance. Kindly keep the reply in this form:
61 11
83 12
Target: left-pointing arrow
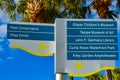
42 47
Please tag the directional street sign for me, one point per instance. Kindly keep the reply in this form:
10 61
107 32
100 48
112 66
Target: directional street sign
92 40
84 47
37 39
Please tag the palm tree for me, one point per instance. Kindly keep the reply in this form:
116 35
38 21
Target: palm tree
74 9
35 10
96 76
118 3
10 7
43 11
102 8
116 74
30 10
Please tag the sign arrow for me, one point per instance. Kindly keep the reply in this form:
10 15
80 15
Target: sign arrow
42 47
79 65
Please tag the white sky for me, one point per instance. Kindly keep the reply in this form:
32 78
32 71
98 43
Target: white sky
4 18
16 1
3 29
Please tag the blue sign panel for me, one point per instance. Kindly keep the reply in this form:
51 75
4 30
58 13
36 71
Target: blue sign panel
92 40
30 32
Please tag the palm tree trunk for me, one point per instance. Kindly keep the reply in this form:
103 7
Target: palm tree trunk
102 8
108 75
36 11
70 78
102 11
40 17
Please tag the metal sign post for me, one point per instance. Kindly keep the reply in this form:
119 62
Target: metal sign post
60 76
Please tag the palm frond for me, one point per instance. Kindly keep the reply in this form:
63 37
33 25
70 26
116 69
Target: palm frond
118 3
96 76
116 74
2 4
112 14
